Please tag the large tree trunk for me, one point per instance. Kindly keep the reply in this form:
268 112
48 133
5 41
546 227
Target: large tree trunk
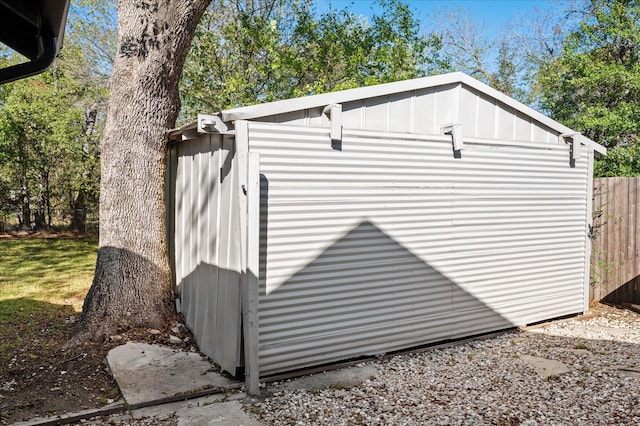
78 212
132 282
25 201
40 220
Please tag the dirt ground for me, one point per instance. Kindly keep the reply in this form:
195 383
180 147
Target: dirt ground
42 378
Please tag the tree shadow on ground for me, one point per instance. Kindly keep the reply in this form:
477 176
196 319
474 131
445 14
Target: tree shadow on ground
38 376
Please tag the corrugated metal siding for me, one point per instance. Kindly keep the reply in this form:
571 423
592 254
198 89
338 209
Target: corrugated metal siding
519 224
392 242
206 245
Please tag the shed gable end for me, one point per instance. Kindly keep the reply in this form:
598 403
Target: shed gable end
425 111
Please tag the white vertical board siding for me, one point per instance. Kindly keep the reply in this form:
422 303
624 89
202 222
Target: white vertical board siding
228 302
425 111
392 242
206 262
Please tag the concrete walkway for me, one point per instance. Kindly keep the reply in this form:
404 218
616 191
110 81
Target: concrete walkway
151 374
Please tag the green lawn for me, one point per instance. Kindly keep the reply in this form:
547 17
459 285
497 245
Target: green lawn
42 282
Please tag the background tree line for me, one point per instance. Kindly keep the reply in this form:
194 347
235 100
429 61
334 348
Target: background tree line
50 128
578 63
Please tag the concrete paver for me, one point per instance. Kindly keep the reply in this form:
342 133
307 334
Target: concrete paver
344 377
211 410
150 372
227 413
545 367
147 373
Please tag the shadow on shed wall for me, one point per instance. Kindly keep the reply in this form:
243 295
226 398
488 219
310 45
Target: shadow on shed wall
346 303
366 294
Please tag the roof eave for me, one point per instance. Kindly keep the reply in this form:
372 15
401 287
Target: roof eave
314 101
322 100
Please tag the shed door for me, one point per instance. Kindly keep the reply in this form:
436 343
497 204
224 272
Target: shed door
392 242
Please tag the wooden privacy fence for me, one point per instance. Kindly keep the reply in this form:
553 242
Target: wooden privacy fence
615 254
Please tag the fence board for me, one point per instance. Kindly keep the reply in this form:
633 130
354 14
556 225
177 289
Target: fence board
615 259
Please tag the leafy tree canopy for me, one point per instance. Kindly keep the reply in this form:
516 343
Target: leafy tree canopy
276 49
619 161
594 85
48 143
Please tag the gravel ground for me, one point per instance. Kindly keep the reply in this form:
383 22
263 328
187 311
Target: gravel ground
483 382
127 419
487 382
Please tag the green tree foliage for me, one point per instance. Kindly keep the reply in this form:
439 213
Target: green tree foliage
275 49
8 200
92 25
48 145
50 125
28 139
594 85
576 61
88 92
619 161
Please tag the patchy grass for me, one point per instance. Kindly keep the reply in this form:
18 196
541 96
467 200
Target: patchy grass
42 282
44 278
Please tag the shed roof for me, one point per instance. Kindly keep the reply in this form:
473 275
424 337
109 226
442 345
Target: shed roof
315 101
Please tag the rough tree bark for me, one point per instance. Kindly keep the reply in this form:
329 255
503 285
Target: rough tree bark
132 282
25 200
78 212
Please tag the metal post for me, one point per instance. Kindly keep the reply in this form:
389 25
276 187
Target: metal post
249 181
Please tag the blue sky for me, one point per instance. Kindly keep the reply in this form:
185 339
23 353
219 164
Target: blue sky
493 14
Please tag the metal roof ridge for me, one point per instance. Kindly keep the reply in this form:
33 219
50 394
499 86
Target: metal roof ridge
321 100
313 101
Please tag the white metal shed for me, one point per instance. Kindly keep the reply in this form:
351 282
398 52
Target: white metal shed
365 221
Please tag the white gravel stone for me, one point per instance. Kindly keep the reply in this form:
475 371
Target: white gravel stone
174 339
487 382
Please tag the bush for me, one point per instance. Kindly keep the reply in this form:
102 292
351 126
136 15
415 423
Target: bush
619 161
